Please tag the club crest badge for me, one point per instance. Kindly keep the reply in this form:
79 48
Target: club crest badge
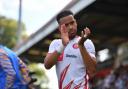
75 46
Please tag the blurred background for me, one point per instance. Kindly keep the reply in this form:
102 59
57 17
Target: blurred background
29 26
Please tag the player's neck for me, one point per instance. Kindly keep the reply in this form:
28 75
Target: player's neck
73 37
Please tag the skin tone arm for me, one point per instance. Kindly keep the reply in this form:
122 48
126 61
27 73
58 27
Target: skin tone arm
51 58
90 62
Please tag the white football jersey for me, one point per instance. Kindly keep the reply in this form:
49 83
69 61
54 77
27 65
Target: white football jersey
70 68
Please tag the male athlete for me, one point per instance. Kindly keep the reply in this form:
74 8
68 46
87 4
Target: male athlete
73 55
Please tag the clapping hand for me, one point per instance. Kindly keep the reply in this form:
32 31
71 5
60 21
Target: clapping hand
84 35
64 34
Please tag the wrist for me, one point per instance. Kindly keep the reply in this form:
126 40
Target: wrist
81 41
65 42
80 45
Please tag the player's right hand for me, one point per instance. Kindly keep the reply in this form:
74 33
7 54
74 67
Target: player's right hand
64 34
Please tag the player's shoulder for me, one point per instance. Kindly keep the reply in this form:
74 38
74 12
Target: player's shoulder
88 41
56 41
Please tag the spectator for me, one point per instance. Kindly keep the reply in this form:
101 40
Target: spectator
13 72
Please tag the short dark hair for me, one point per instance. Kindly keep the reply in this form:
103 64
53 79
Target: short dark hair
63 14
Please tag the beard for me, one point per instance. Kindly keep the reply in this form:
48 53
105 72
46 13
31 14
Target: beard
71 36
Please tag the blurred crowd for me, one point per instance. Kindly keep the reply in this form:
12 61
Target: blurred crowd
117 79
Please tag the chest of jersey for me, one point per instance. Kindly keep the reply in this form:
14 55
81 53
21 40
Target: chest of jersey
71 52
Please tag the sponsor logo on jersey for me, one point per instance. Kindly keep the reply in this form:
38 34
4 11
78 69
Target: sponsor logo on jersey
71 56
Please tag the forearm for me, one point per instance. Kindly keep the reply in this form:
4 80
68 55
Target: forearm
89 62
56 49
51 59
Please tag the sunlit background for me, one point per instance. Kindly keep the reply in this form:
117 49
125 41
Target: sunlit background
36 19
35 13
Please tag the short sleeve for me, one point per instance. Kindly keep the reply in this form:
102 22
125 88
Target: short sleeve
54 44
90 47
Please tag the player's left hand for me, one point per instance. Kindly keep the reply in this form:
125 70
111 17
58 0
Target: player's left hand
84 35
